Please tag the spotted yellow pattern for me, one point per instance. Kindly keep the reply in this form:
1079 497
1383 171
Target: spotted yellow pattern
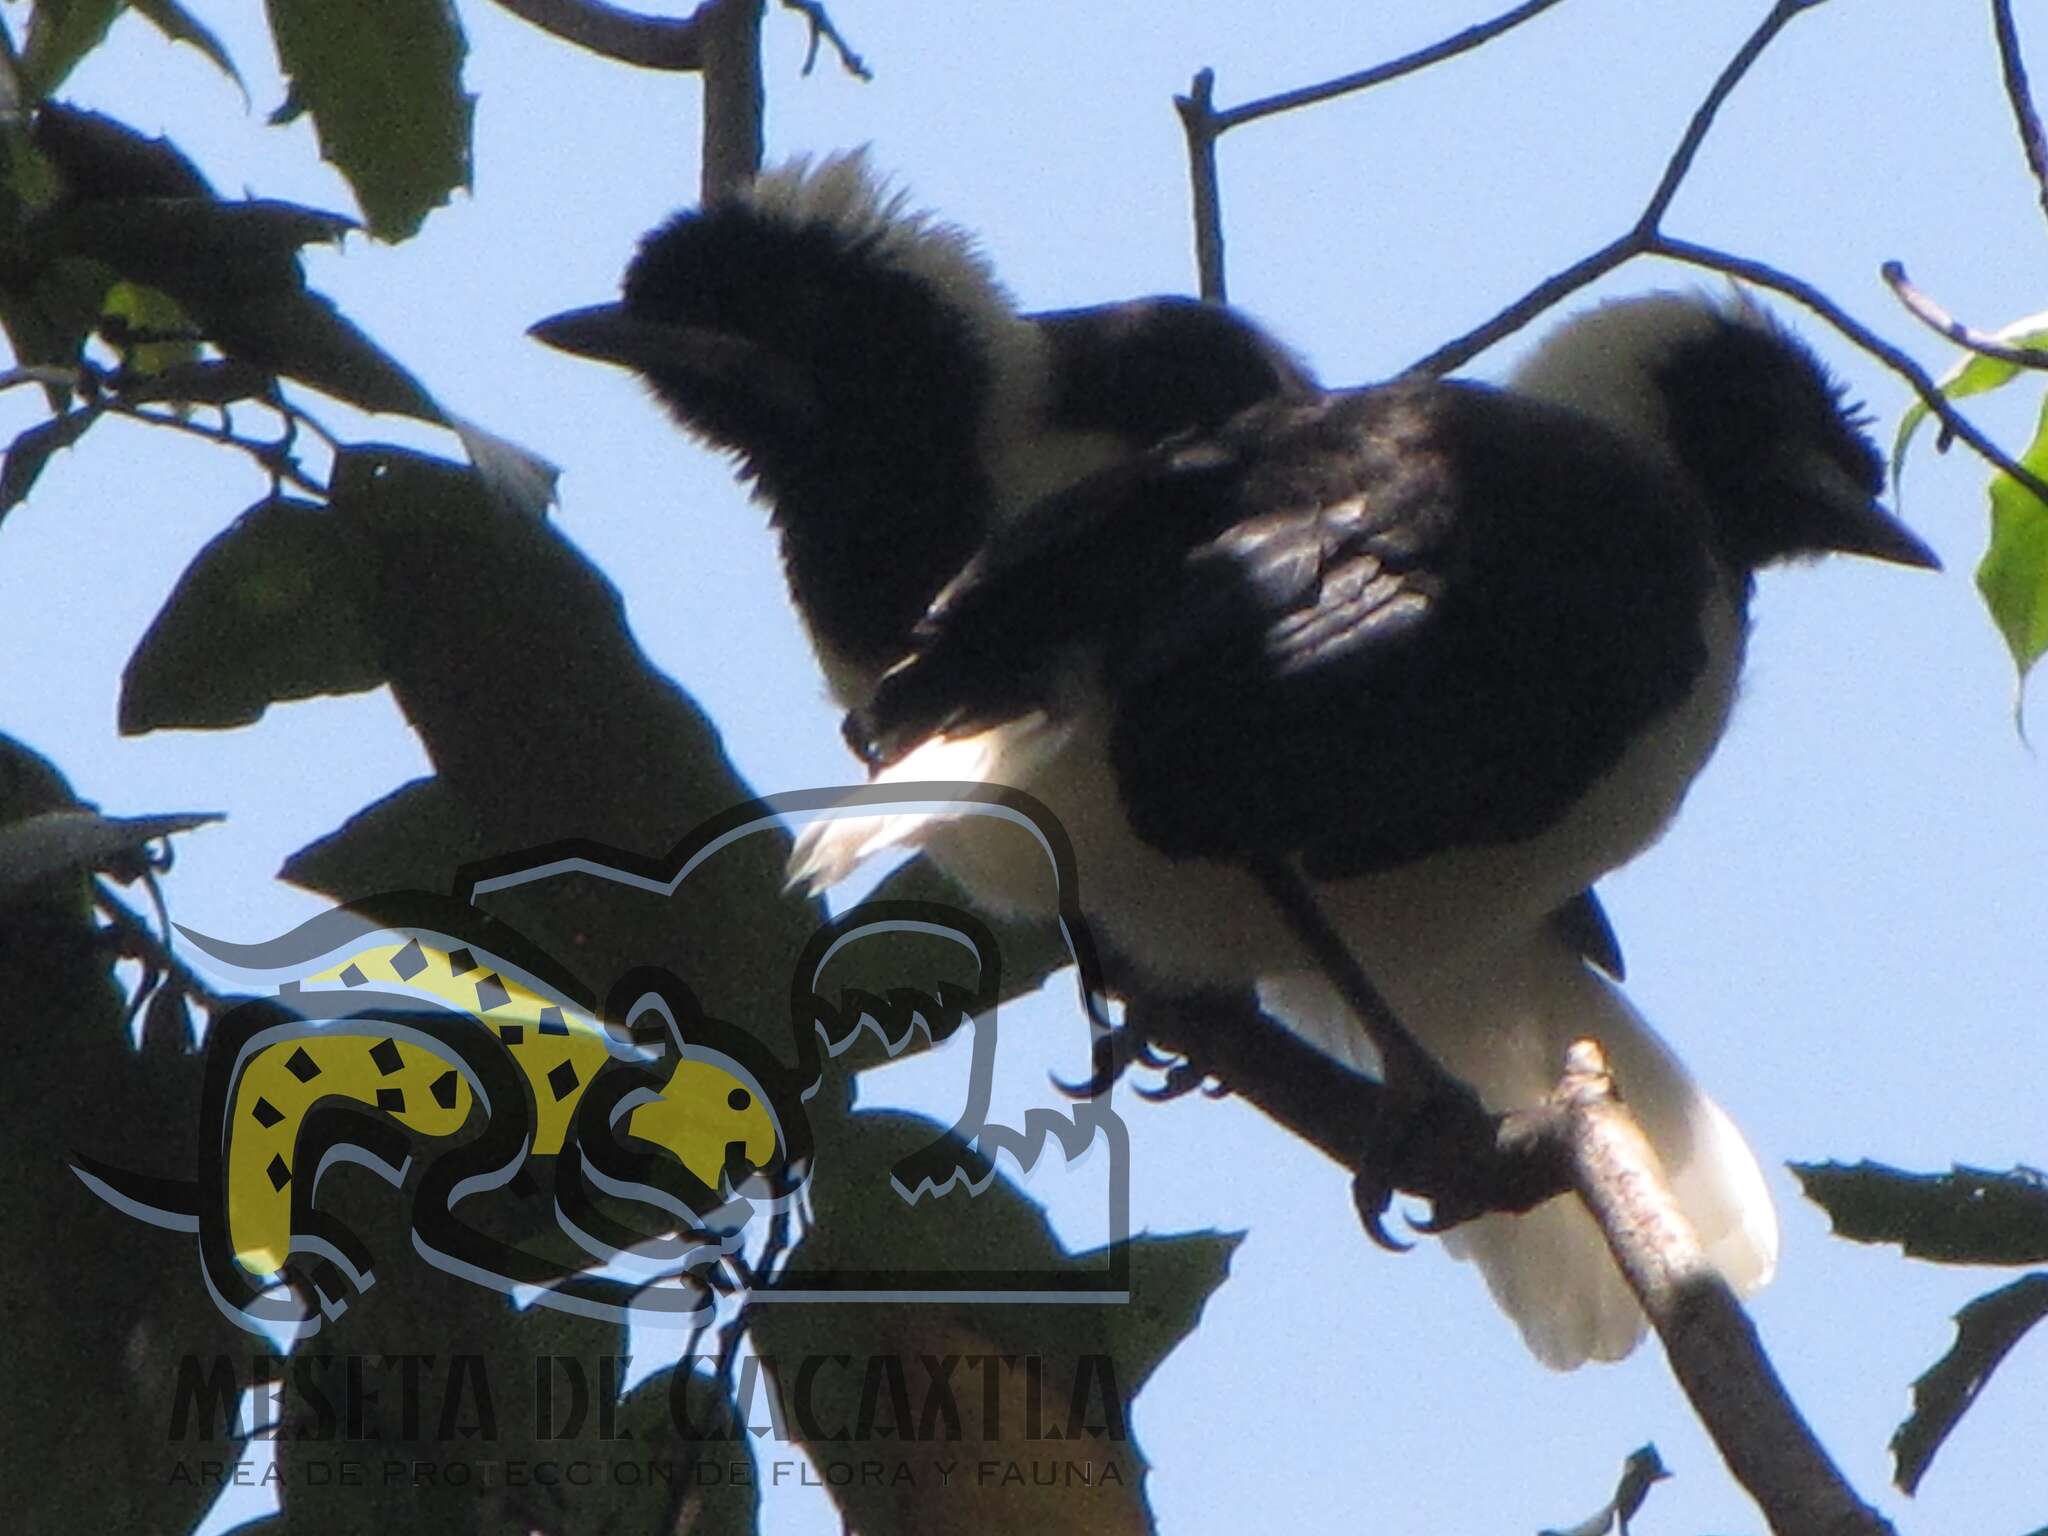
560 1049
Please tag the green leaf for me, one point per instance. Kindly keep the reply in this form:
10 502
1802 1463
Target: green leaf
181 26
2013 575
29 452
145 311
1986 1331
383 82
1972 375
274 608
1968 1216
60 33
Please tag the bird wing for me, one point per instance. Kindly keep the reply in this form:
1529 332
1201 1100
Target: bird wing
1358 629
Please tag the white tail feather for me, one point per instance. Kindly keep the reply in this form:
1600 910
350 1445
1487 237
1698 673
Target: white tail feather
831 848
1502 1024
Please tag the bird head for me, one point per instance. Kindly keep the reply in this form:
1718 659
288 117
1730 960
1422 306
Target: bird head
816 325
1783 461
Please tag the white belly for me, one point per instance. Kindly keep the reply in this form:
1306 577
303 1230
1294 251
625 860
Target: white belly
1193 921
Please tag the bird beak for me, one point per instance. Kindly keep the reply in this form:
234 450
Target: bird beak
609 333
1857 524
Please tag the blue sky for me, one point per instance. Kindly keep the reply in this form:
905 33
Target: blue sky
1842 933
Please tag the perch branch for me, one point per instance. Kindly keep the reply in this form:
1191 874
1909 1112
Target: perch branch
1712 1345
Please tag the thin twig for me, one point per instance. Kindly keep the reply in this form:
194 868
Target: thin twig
1764 276
1460 350
650 42
139 940
1712 1345
1642 233
1198 119
823 31
1703 117
1380 74
2024 117
275 461
1935 318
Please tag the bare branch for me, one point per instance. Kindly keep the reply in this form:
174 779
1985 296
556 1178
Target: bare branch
1198 119
1703 119
2024 117
1380 74
1642 234
137 939
1812 298
1712 1345
650 42
1934 317
823 31
1552 290
274 457
732 94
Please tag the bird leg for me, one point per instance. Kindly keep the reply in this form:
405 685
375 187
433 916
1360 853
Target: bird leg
1423 1106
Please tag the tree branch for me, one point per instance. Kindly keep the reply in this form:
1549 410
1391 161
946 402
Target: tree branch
1934 317
1380 74
1712 1345
1198 120
1765 276
2025 118
648 42
732 94
823 31
1703 117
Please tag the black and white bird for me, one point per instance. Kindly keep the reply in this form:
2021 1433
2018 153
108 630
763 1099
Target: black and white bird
1452 653
885 396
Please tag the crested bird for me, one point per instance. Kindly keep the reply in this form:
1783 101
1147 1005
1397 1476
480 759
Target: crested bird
884 395
1445 654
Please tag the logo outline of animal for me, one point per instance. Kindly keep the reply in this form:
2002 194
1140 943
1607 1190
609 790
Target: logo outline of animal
371 1054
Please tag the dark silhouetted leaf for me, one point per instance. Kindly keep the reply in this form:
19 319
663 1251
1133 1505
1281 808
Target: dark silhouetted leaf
274 608
1986 1331
167 1024
28 453
51 842
60 33
98 157
414 839
1968 1216
181 26
383 82
1642 1468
